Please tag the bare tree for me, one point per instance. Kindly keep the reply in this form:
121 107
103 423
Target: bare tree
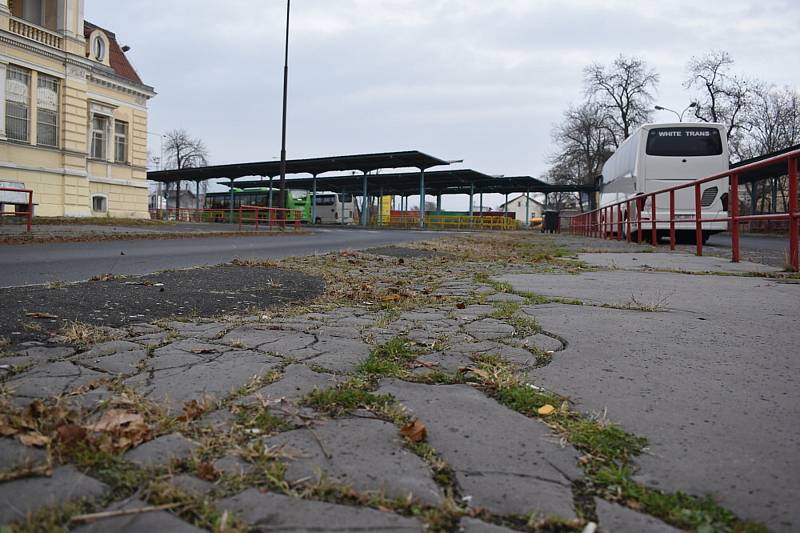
722 97
585 141
625 90
181 151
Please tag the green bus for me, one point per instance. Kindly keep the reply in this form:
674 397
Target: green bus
219 203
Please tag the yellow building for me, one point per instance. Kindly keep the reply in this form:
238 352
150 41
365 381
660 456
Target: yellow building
74 113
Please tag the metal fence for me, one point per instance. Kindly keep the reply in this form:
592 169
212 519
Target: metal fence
610 222
19 198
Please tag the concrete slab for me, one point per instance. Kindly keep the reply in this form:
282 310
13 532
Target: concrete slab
711 382
161 451
14 456
24 496
672 261
504 461
473 525
366 454
297 382
614 518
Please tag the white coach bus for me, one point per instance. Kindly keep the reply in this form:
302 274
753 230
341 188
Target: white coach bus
334 208
660 156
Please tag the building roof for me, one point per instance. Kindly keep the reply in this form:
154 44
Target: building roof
116 57
774 170
512 200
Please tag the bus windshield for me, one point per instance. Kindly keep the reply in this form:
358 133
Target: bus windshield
684 142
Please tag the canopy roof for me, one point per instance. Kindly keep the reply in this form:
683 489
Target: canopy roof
362 163
775 170
408 183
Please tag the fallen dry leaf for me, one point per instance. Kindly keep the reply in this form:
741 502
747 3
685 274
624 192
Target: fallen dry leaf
115 419
415 431
71 434
461 305
192 411
6 428
391 298
36 440
207 472
546 410
480 373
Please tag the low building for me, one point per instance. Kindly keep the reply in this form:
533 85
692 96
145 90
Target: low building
74 112
517 206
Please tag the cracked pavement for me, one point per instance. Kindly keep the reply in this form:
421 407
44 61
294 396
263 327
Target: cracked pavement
692 387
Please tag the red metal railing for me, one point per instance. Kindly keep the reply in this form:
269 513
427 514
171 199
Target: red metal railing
270 216
185 214
607 222
27 214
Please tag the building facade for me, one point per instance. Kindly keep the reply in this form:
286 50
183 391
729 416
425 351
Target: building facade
74 113
517 206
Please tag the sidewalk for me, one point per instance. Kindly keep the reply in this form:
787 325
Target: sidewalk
481 383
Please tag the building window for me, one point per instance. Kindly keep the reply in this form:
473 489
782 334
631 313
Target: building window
121 142
99 49
99 204
99 136
18 83
47 111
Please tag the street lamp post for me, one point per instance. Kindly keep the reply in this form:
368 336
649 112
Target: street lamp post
282 184
679 115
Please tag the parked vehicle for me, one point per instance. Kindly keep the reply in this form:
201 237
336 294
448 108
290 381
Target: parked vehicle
660 156
334 208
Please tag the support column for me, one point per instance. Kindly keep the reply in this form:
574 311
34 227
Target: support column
380 208
269 201
197 194
422 198
364 204
314 199
527 209
230 209
471 201
506 209
481 204
341 198
439 203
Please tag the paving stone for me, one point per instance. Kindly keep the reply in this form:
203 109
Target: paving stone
356 322
24 496
297 382
275 512
489 329
233 466
475 348
161 451
52 379
92 399
544 343
14 456
152 339
108 348
614 518
506 462
484 290
46 353
280 341
472 312
124 363
137 523
220 420
445 361
207 330
503 297
339 331
472 525
422 316
210 381
143 329
192 485
340 355
366 454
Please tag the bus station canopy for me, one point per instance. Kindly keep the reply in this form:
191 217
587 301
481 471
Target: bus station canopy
362 163
775 170
408 183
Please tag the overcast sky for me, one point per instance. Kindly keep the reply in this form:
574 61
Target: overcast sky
478 80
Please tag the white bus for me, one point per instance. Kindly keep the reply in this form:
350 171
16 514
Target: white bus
334 208
660 156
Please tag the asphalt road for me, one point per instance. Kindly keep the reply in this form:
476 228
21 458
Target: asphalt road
34 264
768 249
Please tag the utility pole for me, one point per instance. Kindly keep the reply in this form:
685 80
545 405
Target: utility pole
282 184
